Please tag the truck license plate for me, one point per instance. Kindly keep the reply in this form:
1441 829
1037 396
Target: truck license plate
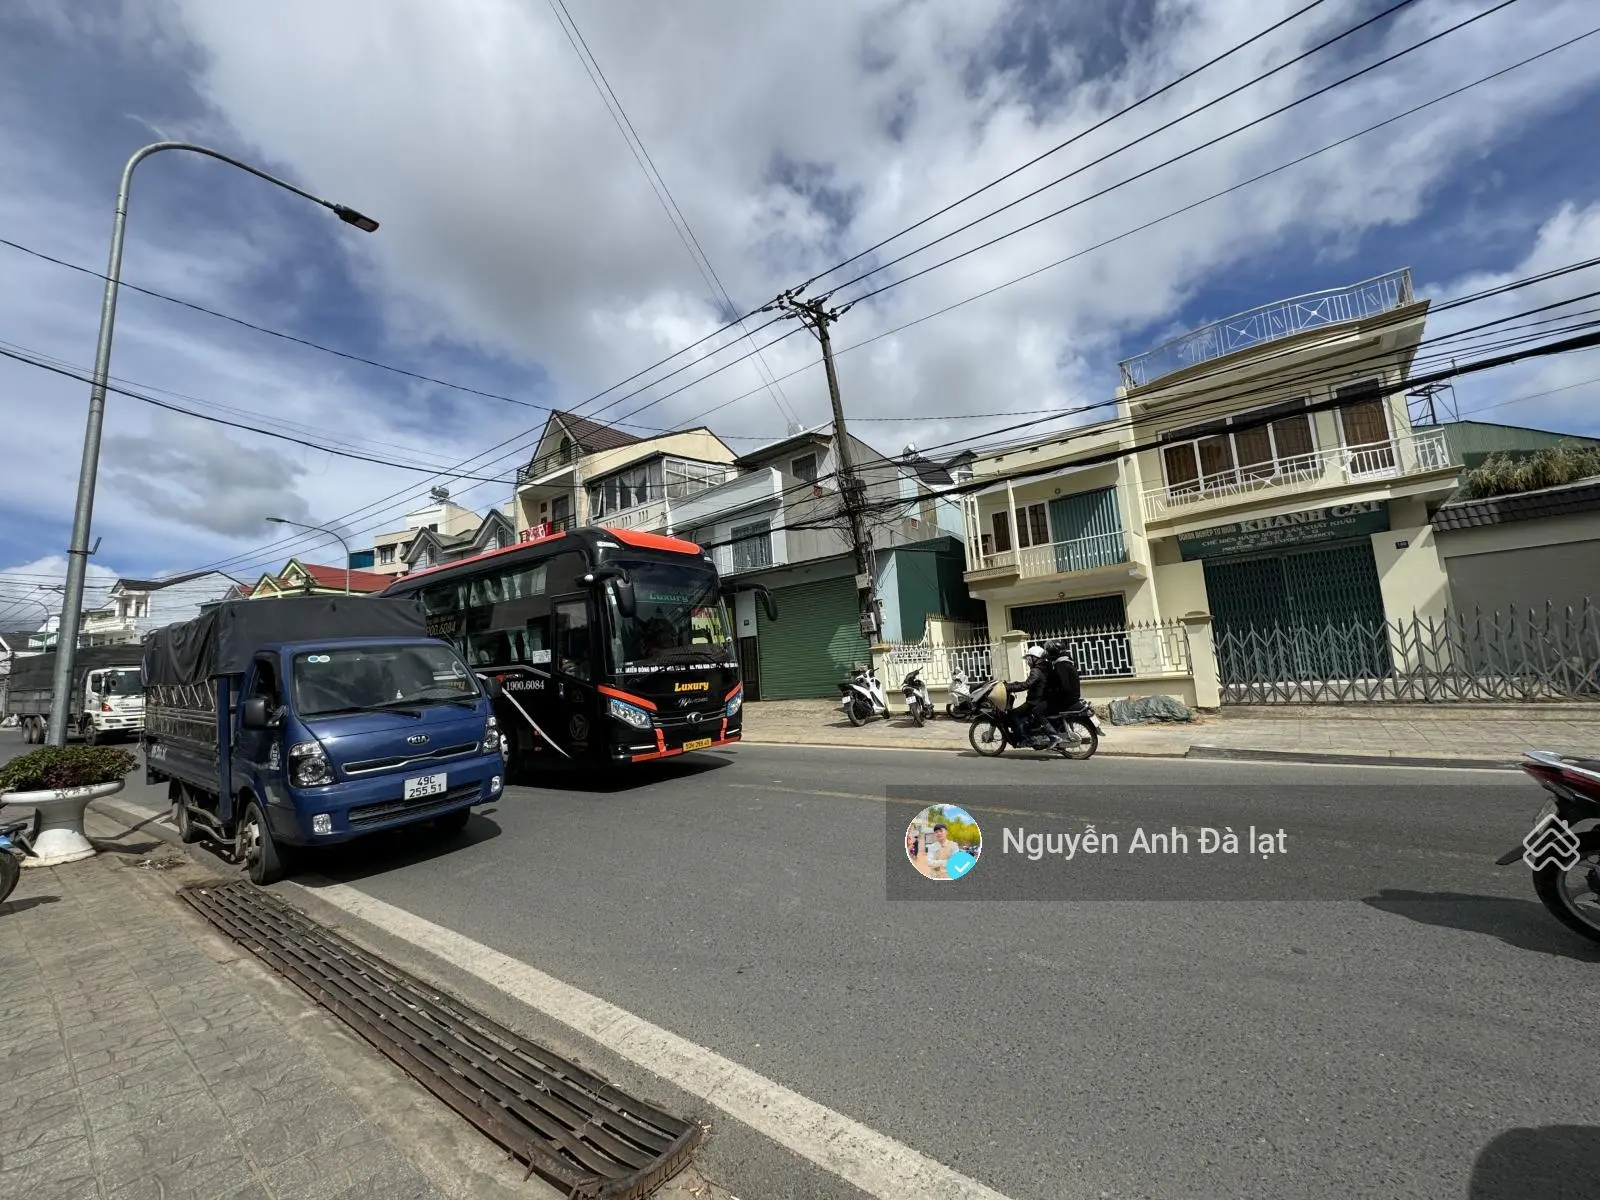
697 744
424 785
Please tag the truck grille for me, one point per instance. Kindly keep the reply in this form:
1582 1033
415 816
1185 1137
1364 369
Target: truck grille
368 765
373 814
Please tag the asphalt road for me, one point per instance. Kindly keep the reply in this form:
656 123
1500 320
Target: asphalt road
1387 1034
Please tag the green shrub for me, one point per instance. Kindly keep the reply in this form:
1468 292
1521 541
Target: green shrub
54 767
1500 475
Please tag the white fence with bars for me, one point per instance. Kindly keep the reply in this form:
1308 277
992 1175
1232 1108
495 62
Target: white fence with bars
1150 649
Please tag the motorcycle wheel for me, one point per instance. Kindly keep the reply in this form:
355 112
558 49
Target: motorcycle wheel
10 872
1550 885
859 715
987 736
919 715
1088 741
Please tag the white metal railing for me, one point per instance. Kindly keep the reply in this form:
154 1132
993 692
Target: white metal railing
1280 319
1057 558
978 660
1407 454
753 555
1155 648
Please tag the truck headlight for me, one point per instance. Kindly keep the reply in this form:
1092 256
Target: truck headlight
735 703
308 765
631 713
491 736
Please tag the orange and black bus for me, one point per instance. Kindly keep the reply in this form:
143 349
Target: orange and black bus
609 645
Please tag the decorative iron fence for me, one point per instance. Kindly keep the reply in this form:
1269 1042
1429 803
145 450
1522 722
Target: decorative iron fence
1145 649
1518 655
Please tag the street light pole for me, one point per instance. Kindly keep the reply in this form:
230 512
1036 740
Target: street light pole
330 533
83 511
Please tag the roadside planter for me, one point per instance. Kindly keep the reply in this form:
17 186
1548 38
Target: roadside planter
60 782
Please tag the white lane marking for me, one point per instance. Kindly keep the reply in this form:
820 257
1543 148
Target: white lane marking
1126 758
874 1162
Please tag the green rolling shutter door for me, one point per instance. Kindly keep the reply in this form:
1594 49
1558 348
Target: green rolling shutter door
1087 530
809 651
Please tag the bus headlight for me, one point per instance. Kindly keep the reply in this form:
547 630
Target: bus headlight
308 765
630 713
735 703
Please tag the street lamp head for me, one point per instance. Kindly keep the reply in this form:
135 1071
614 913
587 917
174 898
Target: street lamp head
351 217
276 521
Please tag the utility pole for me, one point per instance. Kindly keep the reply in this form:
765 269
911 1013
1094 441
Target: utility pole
817 316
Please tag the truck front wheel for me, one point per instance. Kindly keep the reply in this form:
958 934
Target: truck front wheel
262 856
93 736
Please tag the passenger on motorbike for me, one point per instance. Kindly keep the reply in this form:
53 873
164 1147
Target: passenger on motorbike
1033 716
1065 691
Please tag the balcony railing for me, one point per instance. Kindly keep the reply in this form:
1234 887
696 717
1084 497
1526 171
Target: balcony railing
1268 323
546 528
540 467
1057 558
756 554
1409 454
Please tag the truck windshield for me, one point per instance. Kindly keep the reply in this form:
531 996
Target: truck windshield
679 618
128 682
362 678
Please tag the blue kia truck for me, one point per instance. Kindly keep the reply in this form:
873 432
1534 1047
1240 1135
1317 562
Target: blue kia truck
311 720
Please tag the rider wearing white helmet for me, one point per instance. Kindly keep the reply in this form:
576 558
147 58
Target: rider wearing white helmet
1037 707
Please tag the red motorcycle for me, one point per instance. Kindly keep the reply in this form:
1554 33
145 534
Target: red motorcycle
1563 847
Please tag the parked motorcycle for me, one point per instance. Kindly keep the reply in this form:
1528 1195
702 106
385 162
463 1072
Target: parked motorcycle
961 706
1074 733
16 843
918 706
1558 853
862 698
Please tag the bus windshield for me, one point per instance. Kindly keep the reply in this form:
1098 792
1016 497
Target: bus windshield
679 619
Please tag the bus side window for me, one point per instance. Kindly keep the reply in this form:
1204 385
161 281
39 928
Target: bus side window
572 650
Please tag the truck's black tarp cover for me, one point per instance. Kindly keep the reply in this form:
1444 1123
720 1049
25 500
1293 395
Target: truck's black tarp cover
223 640
38 670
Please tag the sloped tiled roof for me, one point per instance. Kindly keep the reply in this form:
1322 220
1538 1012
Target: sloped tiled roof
332 578
591 435
1580 497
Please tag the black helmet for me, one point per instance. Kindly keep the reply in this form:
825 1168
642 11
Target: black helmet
1054 650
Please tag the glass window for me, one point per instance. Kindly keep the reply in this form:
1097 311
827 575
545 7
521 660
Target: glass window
1291 440
1253 449
679 618
363 678
574 652
1000 522
1216 458
1033 526
752 545
804 468
1183 471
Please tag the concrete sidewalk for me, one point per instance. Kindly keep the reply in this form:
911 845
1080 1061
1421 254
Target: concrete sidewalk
1464 735
142 1055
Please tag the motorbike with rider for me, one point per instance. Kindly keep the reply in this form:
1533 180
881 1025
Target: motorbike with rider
1051 714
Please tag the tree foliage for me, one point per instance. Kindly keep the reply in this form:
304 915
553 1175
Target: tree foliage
1504 475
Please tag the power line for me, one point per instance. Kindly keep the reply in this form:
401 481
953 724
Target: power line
663 193
1095 128
1236 187
1140 228
1141 174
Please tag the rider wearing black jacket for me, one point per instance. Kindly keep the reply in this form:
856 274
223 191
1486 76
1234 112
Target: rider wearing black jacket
1065 689
1036 708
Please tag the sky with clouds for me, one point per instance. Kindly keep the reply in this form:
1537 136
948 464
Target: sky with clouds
523 252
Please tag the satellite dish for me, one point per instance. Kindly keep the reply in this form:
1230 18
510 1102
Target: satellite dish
795 428
910 451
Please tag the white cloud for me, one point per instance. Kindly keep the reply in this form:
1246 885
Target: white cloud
30 598
516 223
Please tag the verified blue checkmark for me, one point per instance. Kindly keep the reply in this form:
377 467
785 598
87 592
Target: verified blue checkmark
958 864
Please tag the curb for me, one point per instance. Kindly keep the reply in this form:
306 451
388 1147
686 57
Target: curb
1352 760
1103 752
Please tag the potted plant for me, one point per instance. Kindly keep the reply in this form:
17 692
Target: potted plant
59 782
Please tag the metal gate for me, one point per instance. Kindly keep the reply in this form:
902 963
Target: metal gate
815 643
1303 624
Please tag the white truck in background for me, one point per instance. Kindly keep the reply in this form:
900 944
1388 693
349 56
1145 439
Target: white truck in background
107 697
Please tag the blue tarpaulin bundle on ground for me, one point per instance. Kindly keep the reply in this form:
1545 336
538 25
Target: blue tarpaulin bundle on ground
1137 709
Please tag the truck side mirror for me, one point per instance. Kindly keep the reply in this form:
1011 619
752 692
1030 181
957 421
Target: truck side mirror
492 687
768 604
254 714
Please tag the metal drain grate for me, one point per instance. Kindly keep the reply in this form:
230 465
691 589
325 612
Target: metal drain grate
569 1127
